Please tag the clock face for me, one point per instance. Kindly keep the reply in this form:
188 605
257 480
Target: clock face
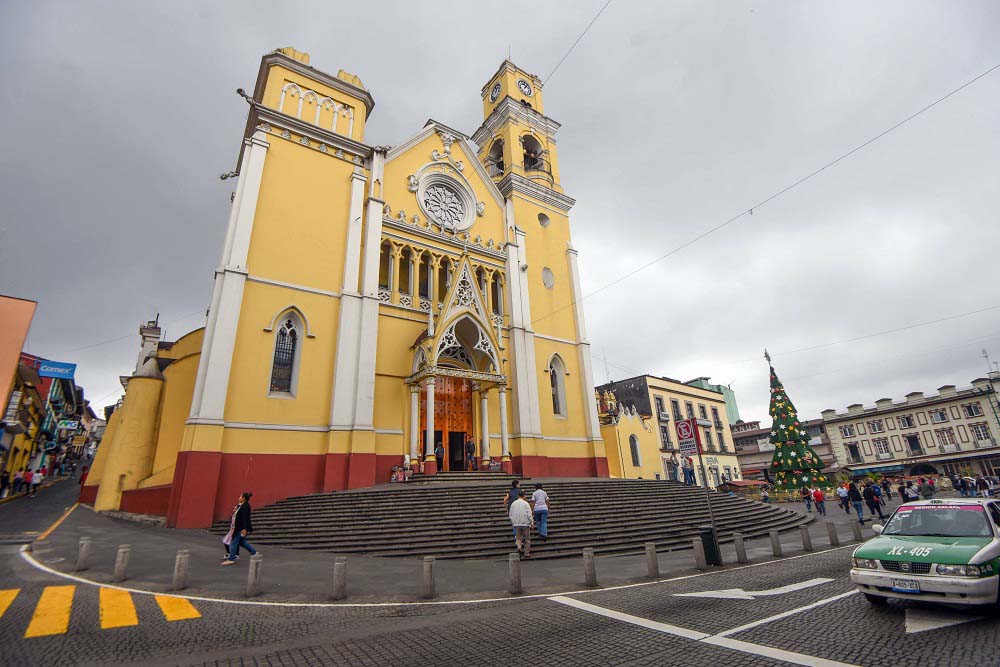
495 93
524 86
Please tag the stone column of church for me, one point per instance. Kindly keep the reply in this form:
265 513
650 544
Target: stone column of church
414 424
395 254
411 283
484 414
504 439
430 463
432 268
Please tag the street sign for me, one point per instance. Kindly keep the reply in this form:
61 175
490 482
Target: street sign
68 424
687 437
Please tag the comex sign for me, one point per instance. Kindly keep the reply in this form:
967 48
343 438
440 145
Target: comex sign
56 369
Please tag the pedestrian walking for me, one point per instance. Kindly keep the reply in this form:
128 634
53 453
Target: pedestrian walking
909 493
36 482
439 456
83 476
4 483
522 520
239 528
857 501
872 500
18 480
540 511
807 498
877 489
820 501
982 486
925 489
26 481
842 497
886 490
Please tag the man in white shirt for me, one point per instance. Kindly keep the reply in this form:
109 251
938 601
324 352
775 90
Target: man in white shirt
540 511
522 520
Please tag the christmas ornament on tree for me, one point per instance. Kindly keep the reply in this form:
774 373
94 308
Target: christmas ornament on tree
794 464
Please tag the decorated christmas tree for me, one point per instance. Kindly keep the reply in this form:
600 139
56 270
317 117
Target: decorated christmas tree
794 464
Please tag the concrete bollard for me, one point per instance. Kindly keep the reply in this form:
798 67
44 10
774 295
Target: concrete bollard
856 529
831 530
181 570
254 574
339 578
514 573
652 563
775 543
428 590
589 567
807 540
83 554
700 562
121 562
741 548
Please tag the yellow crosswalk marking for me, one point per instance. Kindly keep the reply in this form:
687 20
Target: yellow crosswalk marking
6 597
176 609
51 615
117 609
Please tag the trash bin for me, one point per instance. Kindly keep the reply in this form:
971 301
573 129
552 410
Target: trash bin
713 556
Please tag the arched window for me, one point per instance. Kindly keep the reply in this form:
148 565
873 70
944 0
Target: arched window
494 161
533 154
284 364
557 382
633 445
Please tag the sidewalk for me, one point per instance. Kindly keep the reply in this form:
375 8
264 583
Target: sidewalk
49 481
291 575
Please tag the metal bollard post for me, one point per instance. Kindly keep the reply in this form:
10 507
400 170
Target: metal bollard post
429 591
181 570
514 572
775 543
652 564
121 561
831 530
339 578
589 567
254 574
700 562
741 548
83 554
807 541
856 529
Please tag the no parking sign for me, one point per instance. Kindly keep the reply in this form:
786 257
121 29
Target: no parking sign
687 437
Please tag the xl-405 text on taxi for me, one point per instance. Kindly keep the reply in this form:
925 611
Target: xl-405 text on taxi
935 550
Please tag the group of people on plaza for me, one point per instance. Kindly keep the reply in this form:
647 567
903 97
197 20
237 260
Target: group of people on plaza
969 487
525 515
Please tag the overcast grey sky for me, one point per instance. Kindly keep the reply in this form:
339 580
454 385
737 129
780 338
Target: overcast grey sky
119 116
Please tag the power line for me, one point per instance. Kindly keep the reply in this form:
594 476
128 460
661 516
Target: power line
769 199
570 50
115 340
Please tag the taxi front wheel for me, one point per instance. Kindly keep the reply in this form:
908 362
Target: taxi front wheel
876 600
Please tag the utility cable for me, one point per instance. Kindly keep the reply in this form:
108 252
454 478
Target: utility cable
767 200
570 50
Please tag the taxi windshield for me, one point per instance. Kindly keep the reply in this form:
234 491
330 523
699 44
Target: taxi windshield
939 521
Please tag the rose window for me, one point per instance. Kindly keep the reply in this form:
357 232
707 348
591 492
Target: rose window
444 206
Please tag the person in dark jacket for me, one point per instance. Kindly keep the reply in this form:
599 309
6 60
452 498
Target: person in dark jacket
240 527
873 501
854 497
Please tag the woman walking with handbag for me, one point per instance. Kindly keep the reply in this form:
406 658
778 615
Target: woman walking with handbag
239 528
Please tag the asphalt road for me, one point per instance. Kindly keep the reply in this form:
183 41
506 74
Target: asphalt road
801 610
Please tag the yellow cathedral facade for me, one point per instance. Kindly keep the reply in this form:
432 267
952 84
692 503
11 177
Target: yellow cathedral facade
371 303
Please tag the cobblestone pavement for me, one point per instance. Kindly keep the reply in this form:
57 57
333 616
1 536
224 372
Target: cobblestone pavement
46 619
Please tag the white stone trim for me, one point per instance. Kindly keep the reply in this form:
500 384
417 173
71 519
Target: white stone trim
257 426
555 339
388 431
292 286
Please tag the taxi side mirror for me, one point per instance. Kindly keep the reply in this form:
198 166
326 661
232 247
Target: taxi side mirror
877 529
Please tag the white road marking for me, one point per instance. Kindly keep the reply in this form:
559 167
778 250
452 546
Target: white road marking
721 640
785 614
922 620
629 618
740 594
31 560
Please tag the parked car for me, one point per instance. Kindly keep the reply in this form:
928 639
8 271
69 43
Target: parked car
940 550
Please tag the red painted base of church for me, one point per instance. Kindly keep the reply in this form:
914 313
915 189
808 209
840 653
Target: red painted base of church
207 485
88 494
153 500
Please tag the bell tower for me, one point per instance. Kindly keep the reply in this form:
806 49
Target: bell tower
549 351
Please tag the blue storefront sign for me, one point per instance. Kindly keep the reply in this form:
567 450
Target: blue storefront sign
56 369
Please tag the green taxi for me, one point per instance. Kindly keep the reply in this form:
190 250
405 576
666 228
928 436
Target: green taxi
942 550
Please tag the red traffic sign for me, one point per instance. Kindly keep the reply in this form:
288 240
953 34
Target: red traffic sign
688 439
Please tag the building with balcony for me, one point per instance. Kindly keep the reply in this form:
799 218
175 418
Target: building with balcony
638 418
755 451
22 421
952 432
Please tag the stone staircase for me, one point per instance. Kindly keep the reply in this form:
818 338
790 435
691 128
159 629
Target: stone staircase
467 520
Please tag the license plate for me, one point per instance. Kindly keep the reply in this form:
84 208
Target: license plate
905 586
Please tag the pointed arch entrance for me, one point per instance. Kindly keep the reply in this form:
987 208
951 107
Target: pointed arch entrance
454 420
